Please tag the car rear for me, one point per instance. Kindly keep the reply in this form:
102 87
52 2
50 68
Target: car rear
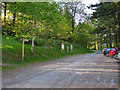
106 51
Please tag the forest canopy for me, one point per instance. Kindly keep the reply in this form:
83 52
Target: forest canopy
47 20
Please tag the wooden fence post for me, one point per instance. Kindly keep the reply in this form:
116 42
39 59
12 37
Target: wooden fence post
67 48
71 48
23 50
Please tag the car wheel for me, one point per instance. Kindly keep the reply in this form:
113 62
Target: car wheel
115 56
107 55
112 56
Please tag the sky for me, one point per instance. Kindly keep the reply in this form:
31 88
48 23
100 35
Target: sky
89 11
88 3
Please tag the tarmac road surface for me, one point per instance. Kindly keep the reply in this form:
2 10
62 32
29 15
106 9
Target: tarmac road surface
77 71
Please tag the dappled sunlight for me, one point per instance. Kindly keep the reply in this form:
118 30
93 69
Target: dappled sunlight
5 46
88 70
56 65
85 64
84 68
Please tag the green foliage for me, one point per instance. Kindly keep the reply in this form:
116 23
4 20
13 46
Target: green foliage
48 21
106 19
82 34
11 52
40 42
118 44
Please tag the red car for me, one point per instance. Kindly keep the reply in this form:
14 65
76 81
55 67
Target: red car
112 52
118 48
117 56
106 51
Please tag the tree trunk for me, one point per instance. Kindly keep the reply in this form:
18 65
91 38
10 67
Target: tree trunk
33 35
33 42
119 22
5 12
107 40
100 42
73 25
107 45
110 39
119 27
73 29
116 38
98 45
14 16
54 41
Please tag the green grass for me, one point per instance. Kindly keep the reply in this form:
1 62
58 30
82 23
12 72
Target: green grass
12 50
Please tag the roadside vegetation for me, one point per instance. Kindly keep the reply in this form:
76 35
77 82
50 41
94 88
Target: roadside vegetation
46 25
12 53
106 20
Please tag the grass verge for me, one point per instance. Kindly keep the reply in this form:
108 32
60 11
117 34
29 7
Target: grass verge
12 50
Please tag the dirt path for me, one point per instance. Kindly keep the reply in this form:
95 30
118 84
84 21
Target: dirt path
78 71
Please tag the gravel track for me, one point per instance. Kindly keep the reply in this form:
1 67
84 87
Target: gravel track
77 71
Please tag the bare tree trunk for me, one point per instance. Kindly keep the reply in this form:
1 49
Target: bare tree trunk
5 12
14 15
73 25
98 45
110 40
107 40
100 42
33 42
95 46
33 35
116 38
119 27
107 45
54 41
118 22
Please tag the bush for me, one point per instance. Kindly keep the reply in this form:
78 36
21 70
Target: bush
37 42
49 42
118 44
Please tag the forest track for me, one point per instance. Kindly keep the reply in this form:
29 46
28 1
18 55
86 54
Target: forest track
77 71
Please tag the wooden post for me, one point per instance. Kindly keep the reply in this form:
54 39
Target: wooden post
54 41
33 42
71 48
67 48
23 50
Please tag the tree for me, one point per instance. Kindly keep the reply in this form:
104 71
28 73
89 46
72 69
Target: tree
106 19
72 10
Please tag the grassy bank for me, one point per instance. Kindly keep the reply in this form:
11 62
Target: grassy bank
12 50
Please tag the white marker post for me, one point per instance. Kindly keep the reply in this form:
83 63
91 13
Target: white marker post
62 48
71 48
23 48
67 48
